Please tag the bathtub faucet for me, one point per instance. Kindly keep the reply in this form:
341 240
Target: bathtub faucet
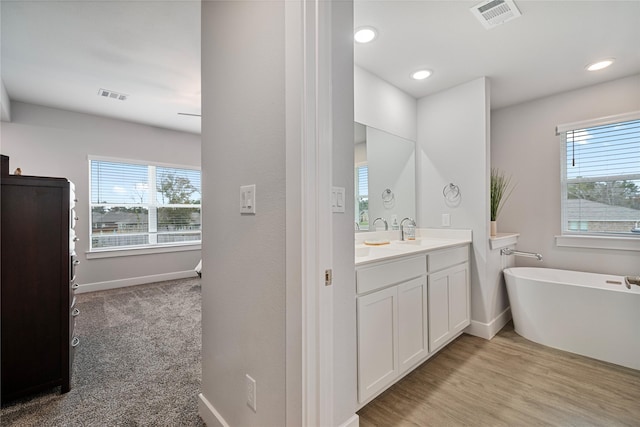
632 280
509 251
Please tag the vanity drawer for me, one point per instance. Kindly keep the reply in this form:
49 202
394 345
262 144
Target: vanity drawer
448 257
389 273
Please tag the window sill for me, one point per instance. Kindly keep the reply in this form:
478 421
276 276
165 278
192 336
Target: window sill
599 242
112 253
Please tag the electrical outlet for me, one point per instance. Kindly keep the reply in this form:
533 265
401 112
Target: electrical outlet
446 220
251 392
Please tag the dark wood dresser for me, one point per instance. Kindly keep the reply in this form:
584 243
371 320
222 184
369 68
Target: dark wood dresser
38 268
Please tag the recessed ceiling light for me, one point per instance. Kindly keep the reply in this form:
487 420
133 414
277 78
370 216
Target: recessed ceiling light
365 34
421 74
600 64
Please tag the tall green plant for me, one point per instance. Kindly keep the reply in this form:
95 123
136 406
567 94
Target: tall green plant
501 189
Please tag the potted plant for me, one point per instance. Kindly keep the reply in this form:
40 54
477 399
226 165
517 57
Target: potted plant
501 189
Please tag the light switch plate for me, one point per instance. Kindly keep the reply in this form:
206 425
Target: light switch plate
446 220
337 199
248 199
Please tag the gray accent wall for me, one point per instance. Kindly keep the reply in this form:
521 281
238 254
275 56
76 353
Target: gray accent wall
52 142
524 144
243 142
453 147
253 284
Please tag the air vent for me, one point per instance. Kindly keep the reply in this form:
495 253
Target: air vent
113 95
492 13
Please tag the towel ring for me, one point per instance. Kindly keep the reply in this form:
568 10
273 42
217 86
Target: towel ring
451 192
388 198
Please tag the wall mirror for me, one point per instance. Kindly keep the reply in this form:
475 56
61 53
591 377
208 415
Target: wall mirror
385 178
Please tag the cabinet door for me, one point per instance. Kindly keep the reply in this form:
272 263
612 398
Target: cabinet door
377 346
438 297
412 322
448 298
459 315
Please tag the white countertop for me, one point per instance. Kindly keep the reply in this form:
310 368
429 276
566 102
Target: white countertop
427 239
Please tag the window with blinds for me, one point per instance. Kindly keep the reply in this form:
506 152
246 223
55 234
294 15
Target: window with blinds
362 197
143 205
601 178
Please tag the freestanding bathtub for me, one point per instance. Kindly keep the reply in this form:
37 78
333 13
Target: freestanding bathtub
590 314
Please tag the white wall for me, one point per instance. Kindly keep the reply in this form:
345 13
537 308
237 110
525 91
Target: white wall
524 144
243 142
51 142
5 104
453 147
383 106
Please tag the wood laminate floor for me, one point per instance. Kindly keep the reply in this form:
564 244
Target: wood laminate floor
509 381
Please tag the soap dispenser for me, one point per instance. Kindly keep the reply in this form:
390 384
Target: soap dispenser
394 222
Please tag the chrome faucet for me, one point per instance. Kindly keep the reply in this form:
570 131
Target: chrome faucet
402 226
386 226
357 226
631 280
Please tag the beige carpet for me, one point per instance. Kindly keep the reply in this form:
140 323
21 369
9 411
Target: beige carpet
138 362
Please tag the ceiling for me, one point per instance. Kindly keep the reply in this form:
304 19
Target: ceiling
61 53
543 52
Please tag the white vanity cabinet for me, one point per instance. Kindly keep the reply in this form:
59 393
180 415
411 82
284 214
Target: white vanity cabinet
392 319
448 296
407 308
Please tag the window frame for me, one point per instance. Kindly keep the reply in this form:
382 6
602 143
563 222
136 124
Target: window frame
581 239
149 248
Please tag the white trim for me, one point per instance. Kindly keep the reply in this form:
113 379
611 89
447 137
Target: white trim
324 231
209 414
354 421
132 281
600 121
112 253
317 299
294 194
489 330
599 242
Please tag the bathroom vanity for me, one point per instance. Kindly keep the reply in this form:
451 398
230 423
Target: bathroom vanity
412 298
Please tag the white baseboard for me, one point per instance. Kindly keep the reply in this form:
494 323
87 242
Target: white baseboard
208 413
132 281
354 421
489 330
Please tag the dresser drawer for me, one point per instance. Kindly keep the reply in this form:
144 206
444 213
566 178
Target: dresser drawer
389 273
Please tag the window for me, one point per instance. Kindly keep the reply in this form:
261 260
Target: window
601 177
362 197
143 205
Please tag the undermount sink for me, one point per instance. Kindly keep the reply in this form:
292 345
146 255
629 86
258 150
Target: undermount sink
363 251
373 250
422 242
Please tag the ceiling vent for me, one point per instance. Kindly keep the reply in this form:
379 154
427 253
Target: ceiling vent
112 95
492 13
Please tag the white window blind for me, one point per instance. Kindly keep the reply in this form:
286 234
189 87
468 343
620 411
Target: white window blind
143 205
601 178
